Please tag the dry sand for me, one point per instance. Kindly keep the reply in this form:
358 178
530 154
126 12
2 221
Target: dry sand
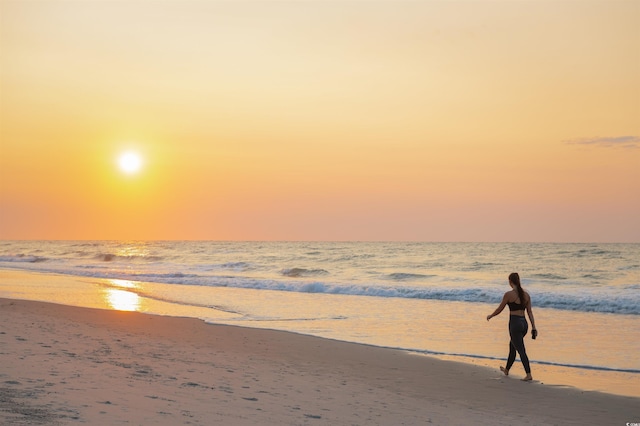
68 365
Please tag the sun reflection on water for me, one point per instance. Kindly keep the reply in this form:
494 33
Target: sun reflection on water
120 299
134 251
123 283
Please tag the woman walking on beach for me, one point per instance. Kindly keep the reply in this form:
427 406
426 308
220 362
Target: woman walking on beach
518 301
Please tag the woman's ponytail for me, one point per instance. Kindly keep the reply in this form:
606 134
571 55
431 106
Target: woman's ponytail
514 279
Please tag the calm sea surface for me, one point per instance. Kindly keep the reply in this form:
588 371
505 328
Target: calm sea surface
429 298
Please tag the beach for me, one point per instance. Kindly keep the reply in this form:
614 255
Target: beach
426 299
70 365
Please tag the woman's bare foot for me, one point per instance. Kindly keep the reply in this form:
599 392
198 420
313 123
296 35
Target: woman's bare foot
527 378
504 370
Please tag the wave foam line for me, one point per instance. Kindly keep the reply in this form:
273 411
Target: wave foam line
551 363
601 303
621 303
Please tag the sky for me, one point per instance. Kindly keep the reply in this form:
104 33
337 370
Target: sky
321 120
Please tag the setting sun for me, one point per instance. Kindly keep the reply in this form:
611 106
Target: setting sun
130 162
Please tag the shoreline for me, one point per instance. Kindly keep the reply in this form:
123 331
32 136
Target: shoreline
64 364
114 295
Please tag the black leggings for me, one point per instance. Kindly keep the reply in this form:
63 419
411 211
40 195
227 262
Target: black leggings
518 328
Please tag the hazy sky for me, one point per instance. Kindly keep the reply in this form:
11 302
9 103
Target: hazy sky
321 120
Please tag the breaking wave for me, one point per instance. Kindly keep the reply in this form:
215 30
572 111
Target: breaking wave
23 258
302 272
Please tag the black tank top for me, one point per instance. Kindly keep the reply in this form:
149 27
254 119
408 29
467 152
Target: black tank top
513 306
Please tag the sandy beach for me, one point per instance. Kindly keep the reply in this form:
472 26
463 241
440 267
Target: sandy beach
68 365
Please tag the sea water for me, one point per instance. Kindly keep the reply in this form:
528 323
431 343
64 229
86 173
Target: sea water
427 298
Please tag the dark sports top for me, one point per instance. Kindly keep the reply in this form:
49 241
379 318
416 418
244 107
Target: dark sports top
513 306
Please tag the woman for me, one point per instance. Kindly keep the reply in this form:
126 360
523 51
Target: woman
518 301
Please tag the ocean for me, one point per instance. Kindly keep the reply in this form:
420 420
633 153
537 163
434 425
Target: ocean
426 298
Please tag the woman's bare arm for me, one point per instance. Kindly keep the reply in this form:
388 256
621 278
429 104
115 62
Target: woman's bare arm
530 313
500 308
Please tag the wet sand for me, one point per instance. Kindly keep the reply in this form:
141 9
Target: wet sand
69 365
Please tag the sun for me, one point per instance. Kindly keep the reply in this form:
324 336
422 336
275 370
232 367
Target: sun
130 162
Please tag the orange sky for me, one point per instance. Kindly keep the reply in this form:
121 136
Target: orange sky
321 120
